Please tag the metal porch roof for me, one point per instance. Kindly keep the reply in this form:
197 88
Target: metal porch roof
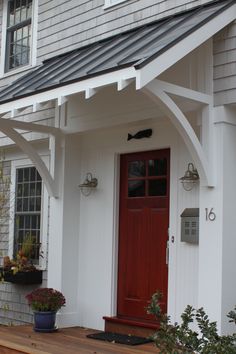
134 48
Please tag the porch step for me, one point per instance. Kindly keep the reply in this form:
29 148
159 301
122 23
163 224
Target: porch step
127 326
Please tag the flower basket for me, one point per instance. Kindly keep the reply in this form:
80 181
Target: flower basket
23 278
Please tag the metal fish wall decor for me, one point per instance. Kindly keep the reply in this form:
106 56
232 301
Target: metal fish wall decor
141 134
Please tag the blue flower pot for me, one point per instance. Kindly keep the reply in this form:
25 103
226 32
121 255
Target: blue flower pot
44 321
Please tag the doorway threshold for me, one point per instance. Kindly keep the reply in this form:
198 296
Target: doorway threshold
130 326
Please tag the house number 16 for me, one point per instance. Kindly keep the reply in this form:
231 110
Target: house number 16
210 215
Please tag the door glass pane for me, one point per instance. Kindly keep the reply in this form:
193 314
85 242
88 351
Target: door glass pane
157 167
157 187
136 188
136 169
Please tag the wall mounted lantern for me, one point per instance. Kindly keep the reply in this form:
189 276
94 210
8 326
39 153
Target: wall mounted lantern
190 178
90 183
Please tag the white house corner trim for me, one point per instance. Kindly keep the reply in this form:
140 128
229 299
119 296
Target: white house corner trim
178 119
50 182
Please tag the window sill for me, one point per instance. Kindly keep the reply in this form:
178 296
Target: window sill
108 6
16 71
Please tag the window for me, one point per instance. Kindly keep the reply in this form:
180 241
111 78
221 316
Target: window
28 209
18 33
147 178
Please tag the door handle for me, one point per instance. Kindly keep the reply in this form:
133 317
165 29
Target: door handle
167 253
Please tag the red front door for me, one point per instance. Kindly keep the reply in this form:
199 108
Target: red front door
143 231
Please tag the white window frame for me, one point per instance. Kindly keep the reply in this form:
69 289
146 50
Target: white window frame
34 22
24 163
110 3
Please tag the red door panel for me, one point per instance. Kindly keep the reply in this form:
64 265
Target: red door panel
143 231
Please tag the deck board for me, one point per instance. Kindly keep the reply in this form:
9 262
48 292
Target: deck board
22 339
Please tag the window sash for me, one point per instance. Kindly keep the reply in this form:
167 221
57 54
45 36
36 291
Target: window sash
27 222
18 49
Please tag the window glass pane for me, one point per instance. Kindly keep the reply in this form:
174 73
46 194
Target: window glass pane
19 205
38 176
32 173
11 15
25 204
26 174
25 189
27 221
32 189
157 187
21 222
38 188
19 191
23 13
136 169
38 203
157 167
136 188
19 175
32 204
34 221
24 57
29 9
17 16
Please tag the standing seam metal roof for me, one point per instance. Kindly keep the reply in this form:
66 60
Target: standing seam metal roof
133 48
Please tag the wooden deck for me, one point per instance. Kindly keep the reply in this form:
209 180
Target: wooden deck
22 339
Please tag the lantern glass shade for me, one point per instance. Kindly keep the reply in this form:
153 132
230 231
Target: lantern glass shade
190 178
90 183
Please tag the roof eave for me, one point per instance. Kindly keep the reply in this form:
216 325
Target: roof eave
147 70
56 93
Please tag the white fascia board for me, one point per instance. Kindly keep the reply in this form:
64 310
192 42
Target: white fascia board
70 89
184 47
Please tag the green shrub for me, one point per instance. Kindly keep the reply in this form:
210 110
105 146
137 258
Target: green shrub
180 338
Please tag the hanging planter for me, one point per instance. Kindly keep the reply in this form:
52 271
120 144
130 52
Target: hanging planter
23 277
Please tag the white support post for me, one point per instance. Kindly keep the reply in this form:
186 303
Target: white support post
63 232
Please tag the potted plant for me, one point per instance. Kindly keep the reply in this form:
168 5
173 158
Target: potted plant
45 302
21 269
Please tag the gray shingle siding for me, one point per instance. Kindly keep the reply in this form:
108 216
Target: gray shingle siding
65 25
225 65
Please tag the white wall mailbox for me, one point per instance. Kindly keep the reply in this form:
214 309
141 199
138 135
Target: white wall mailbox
190 225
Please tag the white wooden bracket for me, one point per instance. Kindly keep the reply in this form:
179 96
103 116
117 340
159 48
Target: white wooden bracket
51 179
202 158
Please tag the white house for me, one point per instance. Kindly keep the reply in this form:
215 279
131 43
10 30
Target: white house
76 79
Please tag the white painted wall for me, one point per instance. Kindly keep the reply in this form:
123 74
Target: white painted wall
98 221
